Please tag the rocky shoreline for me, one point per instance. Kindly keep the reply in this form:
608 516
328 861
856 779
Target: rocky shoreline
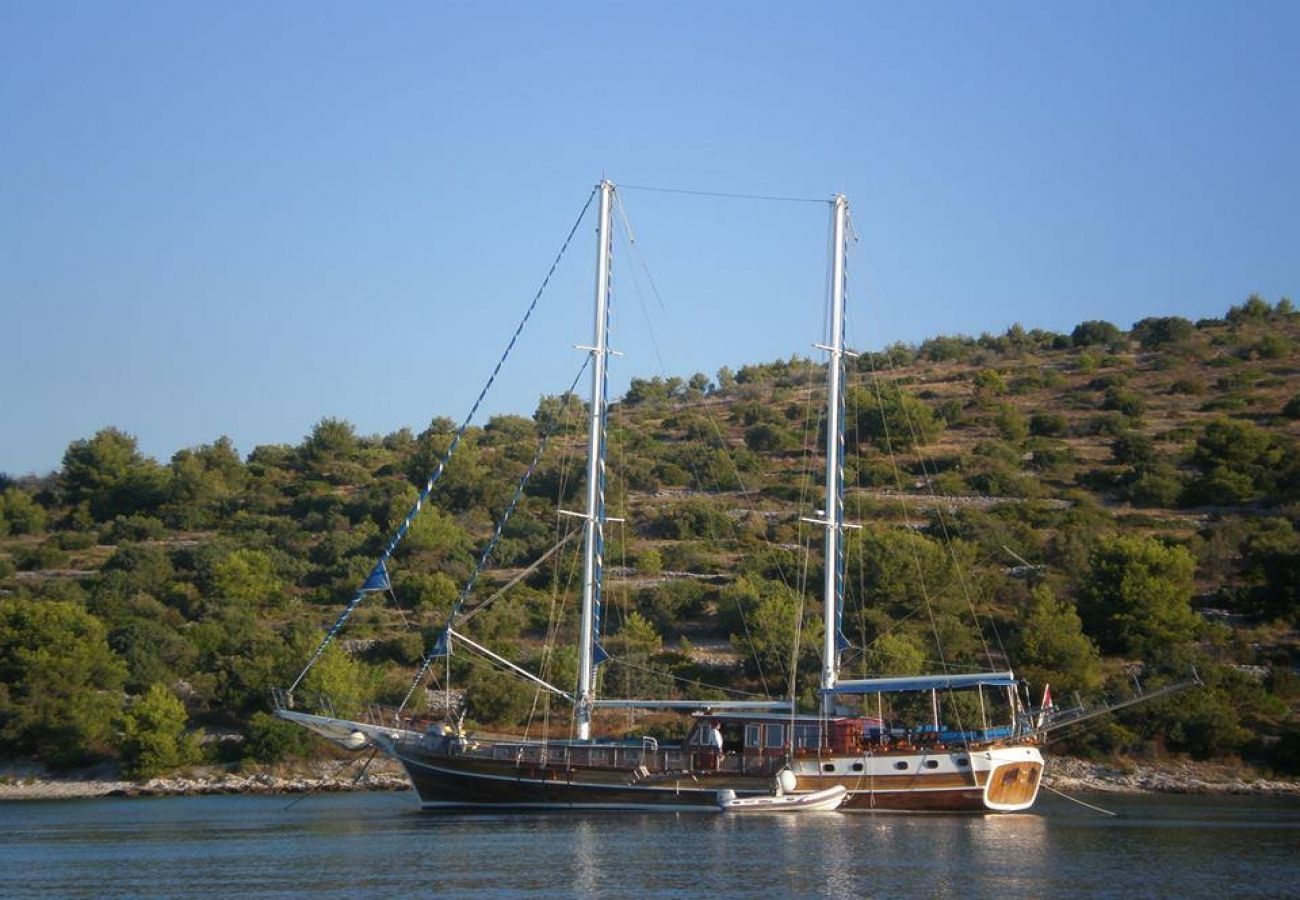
1166 777
29 782
33 783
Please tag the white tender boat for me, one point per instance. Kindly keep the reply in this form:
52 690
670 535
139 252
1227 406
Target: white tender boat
816 801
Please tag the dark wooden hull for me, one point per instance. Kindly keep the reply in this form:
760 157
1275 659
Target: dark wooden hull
448 781
451 783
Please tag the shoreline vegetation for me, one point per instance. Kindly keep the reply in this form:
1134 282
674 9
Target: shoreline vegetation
1102 511
1069 774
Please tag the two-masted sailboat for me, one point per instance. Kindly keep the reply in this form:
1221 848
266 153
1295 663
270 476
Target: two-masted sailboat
969 746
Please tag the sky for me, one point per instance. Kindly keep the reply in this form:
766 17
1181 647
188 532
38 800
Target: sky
239 218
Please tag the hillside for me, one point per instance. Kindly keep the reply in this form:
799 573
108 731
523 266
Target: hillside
1083 507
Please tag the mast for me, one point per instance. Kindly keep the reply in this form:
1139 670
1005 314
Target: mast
833 587
593 549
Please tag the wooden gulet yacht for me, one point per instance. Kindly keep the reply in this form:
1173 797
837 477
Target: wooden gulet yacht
735 751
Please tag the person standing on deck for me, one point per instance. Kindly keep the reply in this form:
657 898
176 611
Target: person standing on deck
715 739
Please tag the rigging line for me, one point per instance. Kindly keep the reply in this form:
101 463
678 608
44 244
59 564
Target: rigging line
943 525
495 539
402 530
803 560
749 637
735 471
794 650
722 194
907 519
654 288
691 681
471 613
636 289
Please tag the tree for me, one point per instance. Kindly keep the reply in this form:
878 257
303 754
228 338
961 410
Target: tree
138 567
770 438
989 383
152 651
59 681
1048 425
246 575
1133 448
653 390
1136 597
344 681
1255 308
1095 331
269 740
1271 566
1155 332
1011 423
632 649
1239 461
108 473
19 513
699 384
1052 647
201 479
895 654
433 533
765 624
153 735
463 480
331 438
901 571
891 419
497 697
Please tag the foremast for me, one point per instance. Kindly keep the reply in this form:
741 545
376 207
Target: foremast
833 585
594 538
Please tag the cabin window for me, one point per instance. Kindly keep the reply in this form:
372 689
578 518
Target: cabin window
932 764
806 737
751 736
774 736
963 761
857 767
828 767
598 758
900 765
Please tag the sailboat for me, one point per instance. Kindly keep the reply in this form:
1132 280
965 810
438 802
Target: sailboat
736 751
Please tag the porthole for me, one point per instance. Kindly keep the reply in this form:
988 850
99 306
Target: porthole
963 761
932 763
857 767
900 765
828 767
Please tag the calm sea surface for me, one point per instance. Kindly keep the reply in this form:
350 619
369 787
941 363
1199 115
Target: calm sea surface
345 845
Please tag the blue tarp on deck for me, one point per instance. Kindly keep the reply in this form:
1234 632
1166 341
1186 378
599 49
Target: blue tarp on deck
922 683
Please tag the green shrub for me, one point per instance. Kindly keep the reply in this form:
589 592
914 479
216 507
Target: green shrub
133 529
1048 424
270 740
47 555
75 540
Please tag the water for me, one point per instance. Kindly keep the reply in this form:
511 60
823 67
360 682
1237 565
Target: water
345 845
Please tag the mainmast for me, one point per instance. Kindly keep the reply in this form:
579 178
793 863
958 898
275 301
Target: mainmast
594 544
833 588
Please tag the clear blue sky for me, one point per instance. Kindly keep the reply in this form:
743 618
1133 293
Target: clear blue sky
237 218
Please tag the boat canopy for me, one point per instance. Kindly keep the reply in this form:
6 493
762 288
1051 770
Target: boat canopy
922 683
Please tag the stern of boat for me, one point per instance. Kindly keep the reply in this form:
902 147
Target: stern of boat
1014 776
